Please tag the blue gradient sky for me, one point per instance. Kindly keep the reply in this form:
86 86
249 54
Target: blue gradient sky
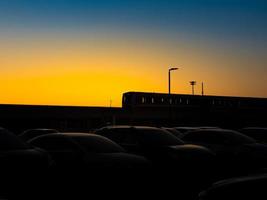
204 16
221 42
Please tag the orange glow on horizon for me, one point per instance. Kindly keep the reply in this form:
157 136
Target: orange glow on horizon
86 72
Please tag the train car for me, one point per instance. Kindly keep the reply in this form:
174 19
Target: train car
191 110
142 99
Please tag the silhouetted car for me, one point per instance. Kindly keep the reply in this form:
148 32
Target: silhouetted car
156 144
207 127
19 162
87 150
257 133
250 187
32 133
232 148
185 129
221 141
173 131
14 153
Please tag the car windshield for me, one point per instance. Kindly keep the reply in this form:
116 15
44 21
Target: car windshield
8 141
158 137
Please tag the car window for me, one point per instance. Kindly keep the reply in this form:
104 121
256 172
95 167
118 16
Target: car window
8 141
111 134
175 132
129 138
158 137
204 137
121 136
54 143
238 138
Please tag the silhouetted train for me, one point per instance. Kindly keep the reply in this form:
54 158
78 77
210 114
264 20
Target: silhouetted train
140 108
142 100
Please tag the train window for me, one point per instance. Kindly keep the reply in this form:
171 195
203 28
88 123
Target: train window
152 100
181 101
170 101
213 102
143 100
187 101
162 100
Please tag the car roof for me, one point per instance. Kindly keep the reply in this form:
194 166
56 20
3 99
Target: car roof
95 140
79 140
237 180
78 134
223 132
126 126
215 131
41 129
147 133
254 128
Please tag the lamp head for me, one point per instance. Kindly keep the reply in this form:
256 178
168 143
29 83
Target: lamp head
193 82
174 68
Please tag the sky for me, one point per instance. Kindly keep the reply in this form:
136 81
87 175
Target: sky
89 52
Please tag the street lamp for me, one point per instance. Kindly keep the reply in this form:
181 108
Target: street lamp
171 69
193 83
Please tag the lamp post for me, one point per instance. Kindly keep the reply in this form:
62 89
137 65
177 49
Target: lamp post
171 69
193 83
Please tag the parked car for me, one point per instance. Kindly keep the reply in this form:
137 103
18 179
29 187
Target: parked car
173 131
249 187
219 140
158 145
185 129
32 133
19 163
257 133
84 150
208 127
16 154
233 149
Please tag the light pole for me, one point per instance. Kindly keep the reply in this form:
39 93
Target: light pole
171 69
193 83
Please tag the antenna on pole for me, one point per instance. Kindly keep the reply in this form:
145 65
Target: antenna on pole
202 89
193 83
110 103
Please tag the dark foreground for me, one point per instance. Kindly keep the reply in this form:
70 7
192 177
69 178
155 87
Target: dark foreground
51 165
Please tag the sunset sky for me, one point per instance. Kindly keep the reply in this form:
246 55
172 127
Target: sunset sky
88 52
